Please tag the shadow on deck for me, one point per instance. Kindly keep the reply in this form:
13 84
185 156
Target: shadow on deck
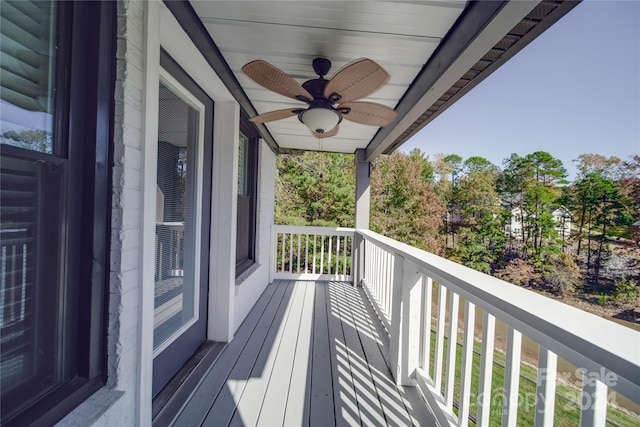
309 353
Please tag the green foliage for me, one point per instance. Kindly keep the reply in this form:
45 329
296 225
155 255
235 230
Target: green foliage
37 140
602 299
473 252
561 273
404 206
315 187
519 272
463 205
626 290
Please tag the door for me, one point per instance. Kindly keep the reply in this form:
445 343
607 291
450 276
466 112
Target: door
183 204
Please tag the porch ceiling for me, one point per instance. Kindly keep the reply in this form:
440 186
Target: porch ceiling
434 51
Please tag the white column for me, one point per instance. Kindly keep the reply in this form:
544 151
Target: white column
362 197
223 221
363 194
405 320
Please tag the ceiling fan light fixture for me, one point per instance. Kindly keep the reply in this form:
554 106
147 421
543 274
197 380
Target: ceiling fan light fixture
320 120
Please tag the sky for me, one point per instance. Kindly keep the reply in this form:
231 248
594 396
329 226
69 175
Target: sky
575 89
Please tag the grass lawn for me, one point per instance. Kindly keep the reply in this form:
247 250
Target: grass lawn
567 413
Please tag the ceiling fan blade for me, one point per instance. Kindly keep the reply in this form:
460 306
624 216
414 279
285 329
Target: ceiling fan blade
275 80
356 81
368 113
328 134
274 115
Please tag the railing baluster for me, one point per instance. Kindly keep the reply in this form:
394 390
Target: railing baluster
344 265
322 255
511 377
329 253
298 263
390 269
425 350
284 238
486 369
337 255
442 302
380 278
306 253
380 272
467 364
546 387
452 347
314 254
593 403
291 253
383 281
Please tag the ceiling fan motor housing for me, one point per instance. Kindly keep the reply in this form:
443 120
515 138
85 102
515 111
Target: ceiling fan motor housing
321 66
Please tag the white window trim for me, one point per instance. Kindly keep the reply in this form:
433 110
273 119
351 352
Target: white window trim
183 93
163 30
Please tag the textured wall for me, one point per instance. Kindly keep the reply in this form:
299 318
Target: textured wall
116 403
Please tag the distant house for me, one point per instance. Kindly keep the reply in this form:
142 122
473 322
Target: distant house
561 217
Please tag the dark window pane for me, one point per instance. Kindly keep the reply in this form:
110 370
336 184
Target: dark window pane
243 151
246 210
30 212
176 207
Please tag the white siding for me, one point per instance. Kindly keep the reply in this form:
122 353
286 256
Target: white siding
250 286
142 28
116 404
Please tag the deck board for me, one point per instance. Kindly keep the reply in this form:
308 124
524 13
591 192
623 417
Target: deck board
366 394
321 402
199 405
249 403
309 353
298 397
275 398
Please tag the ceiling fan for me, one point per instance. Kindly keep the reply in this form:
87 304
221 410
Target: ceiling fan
329 101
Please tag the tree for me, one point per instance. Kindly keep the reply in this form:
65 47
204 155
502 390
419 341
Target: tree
587 163
519 272
542 194
512 185
562 273
418 156
315 188
34 139
403 205
607 197
445 167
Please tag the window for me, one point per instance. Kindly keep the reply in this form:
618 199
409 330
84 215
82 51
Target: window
247 195
55 204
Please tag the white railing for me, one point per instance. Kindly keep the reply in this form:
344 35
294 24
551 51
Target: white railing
417 294
311 253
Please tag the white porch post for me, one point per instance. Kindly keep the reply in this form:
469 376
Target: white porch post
363 178
405 320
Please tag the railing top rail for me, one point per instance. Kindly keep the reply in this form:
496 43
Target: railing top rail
312 229
576 335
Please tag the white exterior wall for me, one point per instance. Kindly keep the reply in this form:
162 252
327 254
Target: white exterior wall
250 285
144 27
116 404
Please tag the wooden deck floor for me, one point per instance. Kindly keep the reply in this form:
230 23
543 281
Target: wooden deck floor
309 353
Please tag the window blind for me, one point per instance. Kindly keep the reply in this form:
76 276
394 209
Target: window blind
27 48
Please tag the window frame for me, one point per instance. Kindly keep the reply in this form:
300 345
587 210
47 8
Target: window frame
83 134
243 263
